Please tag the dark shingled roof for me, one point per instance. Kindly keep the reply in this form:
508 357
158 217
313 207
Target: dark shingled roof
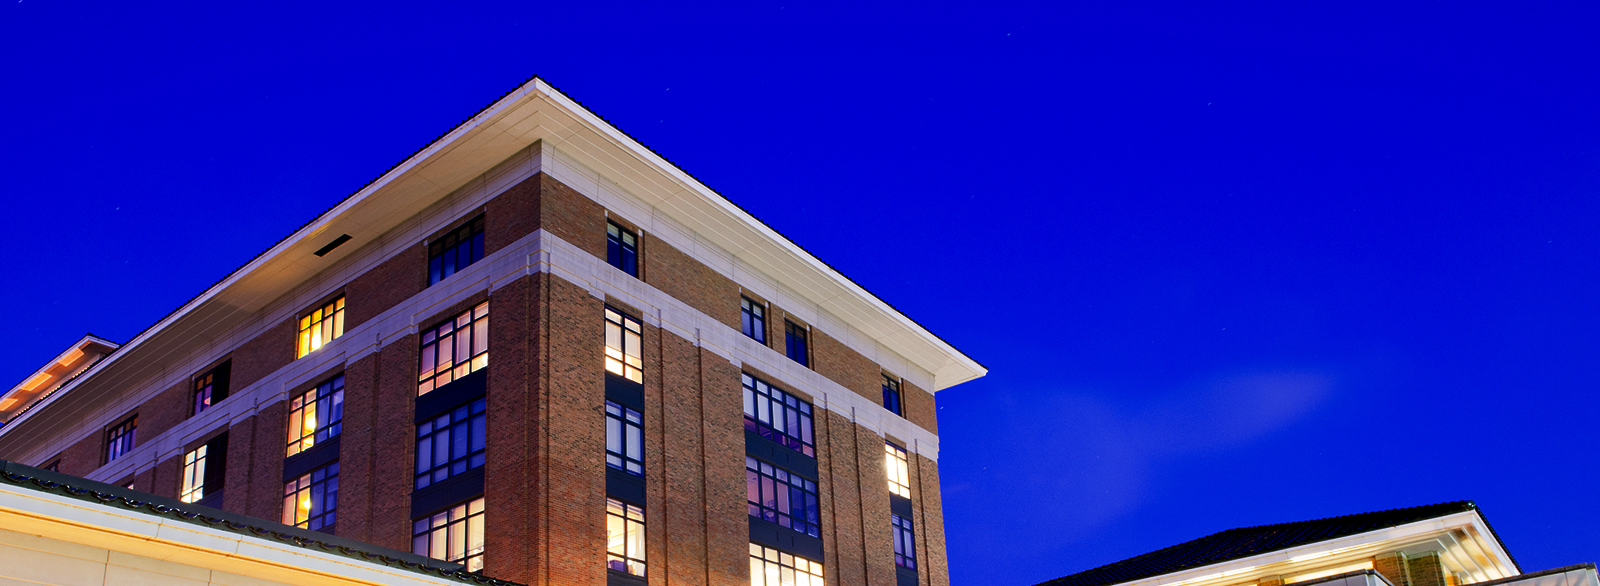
127 499
1248 541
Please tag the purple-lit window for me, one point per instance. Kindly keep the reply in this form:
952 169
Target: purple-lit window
780 497
120 439
778 416
905 542
451 444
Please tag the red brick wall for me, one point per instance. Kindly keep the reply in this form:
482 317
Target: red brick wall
262 355
919 406
393 451
166 480
513 544
841 505
933 565
264 489
571 216
573 442
242 442
847 367
85 456
511 215
694 283
385 286
163 411
361 409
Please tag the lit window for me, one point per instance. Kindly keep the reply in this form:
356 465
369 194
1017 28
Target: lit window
203 470
776 415
455 348
455 251
770 567
321 326
891 394
316 415
120 438
794 343
312 500
622 249
452 535
624 537
780 497
899 470
450 444
624 439
622 345
194 475
210 388
905 543
753 319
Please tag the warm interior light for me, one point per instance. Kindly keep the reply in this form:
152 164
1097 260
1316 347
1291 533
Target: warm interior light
8 402
1325 572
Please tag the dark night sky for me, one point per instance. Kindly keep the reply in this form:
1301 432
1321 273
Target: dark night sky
1228 264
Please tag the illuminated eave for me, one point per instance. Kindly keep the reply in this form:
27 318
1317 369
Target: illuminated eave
53 374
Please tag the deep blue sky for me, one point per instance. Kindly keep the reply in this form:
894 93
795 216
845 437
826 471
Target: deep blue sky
1228 264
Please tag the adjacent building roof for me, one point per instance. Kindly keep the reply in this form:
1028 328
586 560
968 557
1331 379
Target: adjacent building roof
126 499
1249 541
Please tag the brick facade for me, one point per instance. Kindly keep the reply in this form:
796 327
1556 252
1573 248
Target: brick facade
545 474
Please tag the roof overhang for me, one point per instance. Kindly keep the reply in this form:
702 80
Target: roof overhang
61 369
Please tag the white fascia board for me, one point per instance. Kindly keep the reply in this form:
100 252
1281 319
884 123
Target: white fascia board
1367 544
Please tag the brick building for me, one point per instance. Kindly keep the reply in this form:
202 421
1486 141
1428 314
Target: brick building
538 350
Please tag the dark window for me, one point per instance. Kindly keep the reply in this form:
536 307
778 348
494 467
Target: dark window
772 567
452 253
453 535
780 497
623 345
54 466
312 500
450 444
120 438
773 414
316 415
753 318
622 248
905 543
210 388
624 439
624 537
320 327
454 349
899 468
891 394
794 343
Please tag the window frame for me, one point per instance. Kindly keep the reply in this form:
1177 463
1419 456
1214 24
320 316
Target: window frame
470 234
309 326
628 454
897 468
473 422
471 519
631 518
628 365
800 352
475 322
321 483
209 388
193 475
124 432
893 399
758 394
322 431
767 481
904 534
619 252
767 565
753 319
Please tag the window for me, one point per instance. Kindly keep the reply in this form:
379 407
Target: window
899 470
891 394
770 567
320 327
316 415
194 475
453 349
773 414
451 444
905 543
53 466
624 537
452 535
312 500
622 248
753 318
794 342
780 497
624 439
120 438
455 251
209 389
622 345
